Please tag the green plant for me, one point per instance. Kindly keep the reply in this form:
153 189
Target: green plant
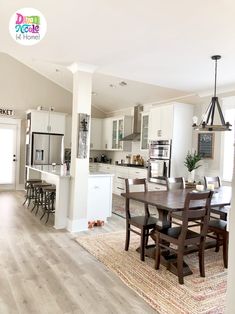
191 161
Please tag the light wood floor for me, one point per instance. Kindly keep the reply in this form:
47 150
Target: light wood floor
44 270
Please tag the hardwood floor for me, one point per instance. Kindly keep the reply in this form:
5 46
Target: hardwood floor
44 270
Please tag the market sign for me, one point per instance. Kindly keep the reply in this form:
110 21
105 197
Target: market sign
6 112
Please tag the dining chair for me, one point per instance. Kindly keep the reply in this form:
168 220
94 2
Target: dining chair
221 211
182 237
143 223
219 228
175 183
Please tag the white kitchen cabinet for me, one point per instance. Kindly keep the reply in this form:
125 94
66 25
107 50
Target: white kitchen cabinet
144 131
121 174
156 187
161 122
173 121
114 129
121 127
47 121
96 134
99 205
137 173
107 134
56 122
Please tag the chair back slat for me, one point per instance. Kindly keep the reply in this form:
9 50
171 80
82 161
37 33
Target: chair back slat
175 183
201 212
136 182
212 180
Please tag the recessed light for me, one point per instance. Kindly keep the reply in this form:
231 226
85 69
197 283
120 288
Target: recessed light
112 85
123 83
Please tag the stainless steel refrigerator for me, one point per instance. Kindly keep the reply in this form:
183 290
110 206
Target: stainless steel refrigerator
47 149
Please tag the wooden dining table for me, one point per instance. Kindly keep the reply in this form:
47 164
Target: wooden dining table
166 202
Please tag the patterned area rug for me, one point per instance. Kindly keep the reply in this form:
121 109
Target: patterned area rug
160 288
137 209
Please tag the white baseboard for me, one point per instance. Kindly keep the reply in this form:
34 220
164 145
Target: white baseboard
77 225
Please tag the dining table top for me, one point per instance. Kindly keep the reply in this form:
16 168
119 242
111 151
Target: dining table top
174 200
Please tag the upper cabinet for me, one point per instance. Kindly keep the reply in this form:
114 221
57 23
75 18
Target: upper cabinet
144 131
96 134
113 131
121 127
107 134
47 121
161 122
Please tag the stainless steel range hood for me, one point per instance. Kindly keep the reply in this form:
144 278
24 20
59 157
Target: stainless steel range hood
135 135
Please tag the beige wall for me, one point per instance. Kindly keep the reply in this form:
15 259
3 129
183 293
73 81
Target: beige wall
21 89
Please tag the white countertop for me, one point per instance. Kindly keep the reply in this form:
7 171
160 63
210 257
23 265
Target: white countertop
56 170
100 174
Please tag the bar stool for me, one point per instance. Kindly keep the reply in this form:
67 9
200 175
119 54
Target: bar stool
38 194
49 194
29 190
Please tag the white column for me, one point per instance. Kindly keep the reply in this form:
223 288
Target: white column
82 89
230 308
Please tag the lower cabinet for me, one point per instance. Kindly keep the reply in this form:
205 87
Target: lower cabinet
99 196
120 173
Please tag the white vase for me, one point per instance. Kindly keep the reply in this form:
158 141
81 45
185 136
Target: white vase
191 176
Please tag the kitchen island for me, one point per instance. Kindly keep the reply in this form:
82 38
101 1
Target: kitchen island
61 179
99 205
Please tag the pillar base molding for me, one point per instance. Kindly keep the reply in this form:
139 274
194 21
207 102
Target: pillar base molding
77 225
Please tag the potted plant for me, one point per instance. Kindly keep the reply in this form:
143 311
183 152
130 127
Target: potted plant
190 162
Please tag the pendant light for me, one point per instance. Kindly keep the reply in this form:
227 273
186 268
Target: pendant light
207 123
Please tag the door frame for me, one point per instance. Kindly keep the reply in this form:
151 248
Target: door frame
17 123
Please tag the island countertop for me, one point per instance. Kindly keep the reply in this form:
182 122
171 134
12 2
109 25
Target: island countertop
57 170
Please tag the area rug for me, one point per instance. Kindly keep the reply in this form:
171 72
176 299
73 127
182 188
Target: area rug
160 288
136 208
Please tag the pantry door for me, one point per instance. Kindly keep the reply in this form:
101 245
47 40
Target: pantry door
8 156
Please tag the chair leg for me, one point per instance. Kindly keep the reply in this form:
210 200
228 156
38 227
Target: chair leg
180 260
225 250
217 243
201 255
158 252
142 245
127 236
146 237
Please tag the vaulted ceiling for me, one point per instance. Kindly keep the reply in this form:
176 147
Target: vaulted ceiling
163 43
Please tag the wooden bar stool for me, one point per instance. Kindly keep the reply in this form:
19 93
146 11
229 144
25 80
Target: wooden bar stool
38 194
29 190
49 194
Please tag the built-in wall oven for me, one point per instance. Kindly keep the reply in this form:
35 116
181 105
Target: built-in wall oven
159 165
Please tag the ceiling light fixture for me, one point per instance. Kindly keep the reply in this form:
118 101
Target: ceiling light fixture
123 83
207 122
112 85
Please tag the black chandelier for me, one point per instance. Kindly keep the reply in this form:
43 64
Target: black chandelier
207 123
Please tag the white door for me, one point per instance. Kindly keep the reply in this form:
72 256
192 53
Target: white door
7 156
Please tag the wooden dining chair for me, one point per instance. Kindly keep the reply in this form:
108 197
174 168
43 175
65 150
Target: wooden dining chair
219 228
223 210
182 237
175 183
143 224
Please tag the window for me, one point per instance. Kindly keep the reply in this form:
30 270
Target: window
228 153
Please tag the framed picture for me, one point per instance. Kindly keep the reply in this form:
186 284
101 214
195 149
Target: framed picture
83 132
206 145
